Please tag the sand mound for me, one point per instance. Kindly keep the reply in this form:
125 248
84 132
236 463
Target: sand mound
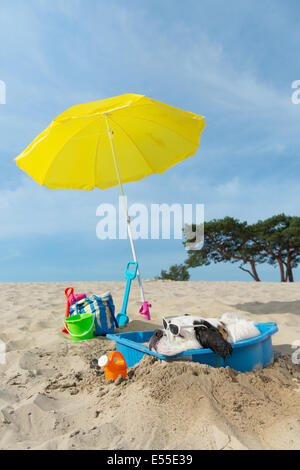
175 405
160 405
54 396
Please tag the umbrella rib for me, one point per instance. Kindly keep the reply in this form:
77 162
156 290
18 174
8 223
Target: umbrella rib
100 113
159 105
130 138
96 161
22 155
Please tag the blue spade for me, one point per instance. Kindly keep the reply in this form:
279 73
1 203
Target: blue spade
130 274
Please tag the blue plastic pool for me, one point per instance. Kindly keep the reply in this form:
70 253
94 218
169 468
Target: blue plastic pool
247 355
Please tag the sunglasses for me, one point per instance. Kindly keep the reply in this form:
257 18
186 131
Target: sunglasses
174 329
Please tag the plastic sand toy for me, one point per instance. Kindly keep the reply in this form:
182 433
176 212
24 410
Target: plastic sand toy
81 327
114 365
145 310
248 355
130 274
71 299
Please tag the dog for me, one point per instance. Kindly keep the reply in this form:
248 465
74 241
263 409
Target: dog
182 333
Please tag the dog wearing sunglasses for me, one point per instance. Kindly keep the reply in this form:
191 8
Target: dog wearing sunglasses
182 333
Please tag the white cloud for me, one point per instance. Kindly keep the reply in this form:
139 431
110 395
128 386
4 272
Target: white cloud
11 254
33 210
229 189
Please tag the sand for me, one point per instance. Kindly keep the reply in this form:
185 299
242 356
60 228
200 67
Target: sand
53 395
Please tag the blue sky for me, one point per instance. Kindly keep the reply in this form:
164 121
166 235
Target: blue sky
233 62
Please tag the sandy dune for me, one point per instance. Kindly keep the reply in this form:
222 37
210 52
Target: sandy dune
53 397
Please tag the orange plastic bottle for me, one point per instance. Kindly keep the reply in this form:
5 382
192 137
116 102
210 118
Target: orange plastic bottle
114 365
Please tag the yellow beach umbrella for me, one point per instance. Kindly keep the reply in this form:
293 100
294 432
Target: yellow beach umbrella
111 142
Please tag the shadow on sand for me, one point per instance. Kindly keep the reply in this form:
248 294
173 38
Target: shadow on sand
270 307
138 325
283 349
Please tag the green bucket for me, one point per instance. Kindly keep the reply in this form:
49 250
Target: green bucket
80 327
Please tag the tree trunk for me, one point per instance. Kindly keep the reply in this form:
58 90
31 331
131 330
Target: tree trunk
281 267
253 273
289 273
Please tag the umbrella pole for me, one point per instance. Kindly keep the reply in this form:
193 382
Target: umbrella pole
110 133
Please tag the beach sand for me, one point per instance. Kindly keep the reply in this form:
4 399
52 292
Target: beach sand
53 397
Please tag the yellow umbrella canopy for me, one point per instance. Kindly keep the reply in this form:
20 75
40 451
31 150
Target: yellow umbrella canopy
109 142
74 152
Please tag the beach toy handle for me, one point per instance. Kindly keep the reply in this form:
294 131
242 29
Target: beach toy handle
130 275
80 336
119 356
69 291
113 368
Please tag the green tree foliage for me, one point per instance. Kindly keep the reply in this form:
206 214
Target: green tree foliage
227 240
278 238
177 272
275 240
